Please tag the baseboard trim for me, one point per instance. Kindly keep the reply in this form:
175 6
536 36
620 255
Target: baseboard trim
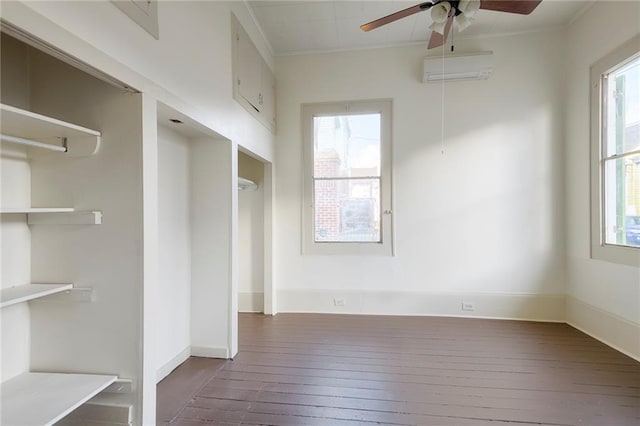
515 306
172 364
250 302
210 352
619 333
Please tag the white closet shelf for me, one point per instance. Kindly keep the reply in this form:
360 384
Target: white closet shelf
44 398
57 215
10 210
22 124
24 293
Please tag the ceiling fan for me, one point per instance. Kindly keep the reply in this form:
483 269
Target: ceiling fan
443 13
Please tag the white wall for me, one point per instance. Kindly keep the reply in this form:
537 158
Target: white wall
214 210
251 237
603 298
15 255
173 323
189 67
482 221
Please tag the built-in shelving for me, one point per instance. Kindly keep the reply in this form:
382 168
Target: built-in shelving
19 210
54 174
22 126
56 215
24 293
44 398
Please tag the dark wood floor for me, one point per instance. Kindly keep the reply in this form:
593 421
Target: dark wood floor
309 369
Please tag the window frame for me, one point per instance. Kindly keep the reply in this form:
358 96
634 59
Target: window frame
600 249
386 246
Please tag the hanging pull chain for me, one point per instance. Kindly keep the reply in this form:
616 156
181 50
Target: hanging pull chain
442 107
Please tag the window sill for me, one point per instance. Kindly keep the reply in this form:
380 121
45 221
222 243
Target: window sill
622 255
347 249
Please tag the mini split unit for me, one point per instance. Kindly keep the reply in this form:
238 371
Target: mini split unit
473 66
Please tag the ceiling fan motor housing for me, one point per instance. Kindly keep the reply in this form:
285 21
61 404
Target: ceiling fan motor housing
454 5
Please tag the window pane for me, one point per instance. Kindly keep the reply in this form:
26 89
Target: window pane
346 146
622 114
347 210
622 201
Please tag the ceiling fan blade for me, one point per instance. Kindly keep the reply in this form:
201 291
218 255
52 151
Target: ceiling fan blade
438 39
395 16
523 7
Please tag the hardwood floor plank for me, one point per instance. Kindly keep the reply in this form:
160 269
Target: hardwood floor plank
431 395
183 383
442 387
455 358
427 364
451 408
511 382
314 369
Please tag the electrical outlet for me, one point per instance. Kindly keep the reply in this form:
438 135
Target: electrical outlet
338 302
468 306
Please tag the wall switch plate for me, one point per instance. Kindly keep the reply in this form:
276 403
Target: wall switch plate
338 302
468 306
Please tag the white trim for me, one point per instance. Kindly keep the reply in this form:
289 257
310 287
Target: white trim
233 248
599 250
459 36
515 306
209 352
32 40
255 21
385 247
269 296
146 19
145 400
172 364
619 333
588 5
250 302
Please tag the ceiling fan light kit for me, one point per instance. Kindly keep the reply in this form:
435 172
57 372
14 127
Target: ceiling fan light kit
440 14
444 12
463 12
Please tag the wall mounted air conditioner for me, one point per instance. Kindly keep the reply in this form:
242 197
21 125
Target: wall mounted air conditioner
472 66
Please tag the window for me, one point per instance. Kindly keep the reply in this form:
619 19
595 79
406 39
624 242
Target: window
347 186
616 155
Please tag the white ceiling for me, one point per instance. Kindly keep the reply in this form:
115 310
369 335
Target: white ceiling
312 26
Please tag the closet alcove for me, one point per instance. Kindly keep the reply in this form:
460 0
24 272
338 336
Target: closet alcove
251 231
197 208
71 224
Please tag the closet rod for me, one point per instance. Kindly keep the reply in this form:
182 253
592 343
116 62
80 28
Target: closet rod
29 142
